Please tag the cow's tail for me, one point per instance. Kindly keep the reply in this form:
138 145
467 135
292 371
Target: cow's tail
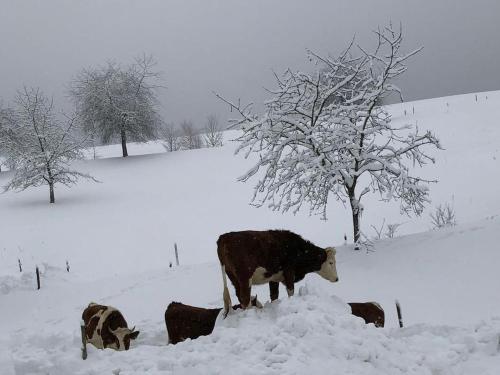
225 295
400 316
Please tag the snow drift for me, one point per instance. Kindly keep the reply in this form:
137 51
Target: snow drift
310 333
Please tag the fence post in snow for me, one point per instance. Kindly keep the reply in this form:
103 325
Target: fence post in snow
20 265
400 317
176 254
84 340
37 277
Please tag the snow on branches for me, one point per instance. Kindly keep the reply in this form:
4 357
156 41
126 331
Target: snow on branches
118 102
321 132
40 146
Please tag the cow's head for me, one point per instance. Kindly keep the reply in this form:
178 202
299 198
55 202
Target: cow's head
328 268
123 336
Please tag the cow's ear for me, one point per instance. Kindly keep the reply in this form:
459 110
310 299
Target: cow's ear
133 335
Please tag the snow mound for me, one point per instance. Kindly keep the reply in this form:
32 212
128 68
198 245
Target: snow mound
309 333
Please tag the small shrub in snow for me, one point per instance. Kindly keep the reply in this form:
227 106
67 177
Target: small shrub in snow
170 137
213 134
443 216
378 231
392 229
190 138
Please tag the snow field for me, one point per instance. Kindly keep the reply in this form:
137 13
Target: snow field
118 236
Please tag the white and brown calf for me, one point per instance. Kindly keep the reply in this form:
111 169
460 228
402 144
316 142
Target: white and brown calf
105 327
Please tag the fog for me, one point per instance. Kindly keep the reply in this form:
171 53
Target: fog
233 46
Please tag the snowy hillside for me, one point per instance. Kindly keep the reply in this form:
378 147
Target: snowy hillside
118 237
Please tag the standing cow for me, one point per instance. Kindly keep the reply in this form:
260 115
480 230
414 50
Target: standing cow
258 257
105 327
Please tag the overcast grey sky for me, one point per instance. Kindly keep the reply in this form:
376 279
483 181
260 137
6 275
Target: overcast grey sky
232 46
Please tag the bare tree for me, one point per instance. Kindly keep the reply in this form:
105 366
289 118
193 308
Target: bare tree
392 230
213 134
321 133
170 137
443 216
41 146
3 122
119 103
379 231
190 139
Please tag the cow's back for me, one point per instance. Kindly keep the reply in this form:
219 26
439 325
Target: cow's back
185 321
99 321
370 312
246 250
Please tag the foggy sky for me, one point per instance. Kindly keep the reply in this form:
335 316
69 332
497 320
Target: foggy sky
232 46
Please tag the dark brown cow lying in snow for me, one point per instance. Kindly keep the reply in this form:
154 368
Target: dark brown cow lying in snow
189 322
251 258
184 321
105 327
371 312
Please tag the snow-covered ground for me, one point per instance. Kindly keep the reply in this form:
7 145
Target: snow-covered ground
118 237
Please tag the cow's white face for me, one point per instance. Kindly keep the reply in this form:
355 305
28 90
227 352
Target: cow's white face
328 268
124 336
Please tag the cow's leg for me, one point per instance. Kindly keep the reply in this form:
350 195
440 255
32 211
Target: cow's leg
274 290
225 295
289 281
244 294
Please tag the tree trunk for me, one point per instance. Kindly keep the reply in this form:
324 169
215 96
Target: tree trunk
355 225
51 188
124 142
356 213
51 184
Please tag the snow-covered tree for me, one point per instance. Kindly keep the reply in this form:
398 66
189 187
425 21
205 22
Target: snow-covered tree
213 134
117 102
324 134
170 137
39 144
3 122
190 138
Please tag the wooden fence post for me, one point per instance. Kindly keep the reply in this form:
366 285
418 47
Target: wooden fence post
176 254
37 278
400 317
84 340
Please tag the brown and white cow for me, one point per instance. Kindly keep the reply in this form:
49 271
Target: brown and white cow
258 257
370 312
190 322
105 327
